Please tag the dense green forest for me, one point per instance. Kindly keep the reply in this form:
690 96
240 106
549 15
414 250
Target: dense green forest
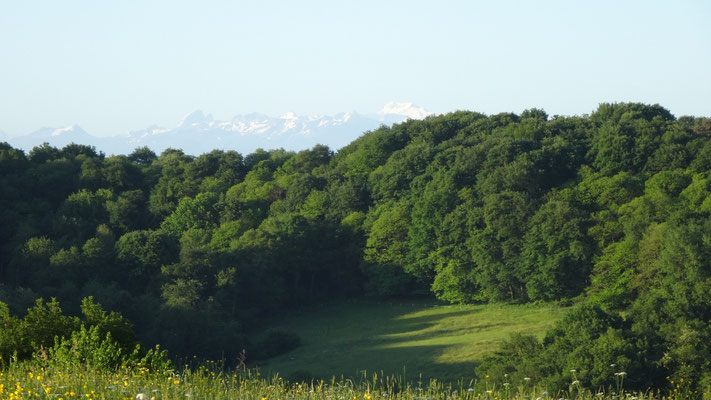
608 211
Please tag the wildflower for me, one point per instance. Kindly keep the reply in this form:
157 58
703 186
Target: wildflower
367 396
142 396
526 379
573 371
575 382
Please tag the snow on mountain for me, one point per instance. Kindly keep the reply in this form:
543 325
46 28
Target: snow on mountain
58 137
404 109
198 132
195 118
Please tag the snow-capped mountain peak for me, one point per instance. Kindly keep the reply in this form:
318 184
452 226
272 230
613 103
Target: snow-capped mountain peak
73 129
289 115
408 110
64 132
194 118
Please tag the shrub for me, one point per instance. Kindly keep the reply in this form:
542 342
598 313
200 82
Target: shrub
88 347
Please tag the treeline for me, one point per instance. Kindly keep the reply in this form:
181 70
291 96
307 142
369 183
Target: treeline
611 210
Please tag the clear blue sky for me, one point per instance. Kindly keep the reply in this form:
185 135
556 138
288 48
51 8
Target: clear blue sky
113 66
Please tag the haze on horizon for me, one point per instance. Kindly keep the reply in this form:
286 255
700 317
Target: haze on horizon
122 66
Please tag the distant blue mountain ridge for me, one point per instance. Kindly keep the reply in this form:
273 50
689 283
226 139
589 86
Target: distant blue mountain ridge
199 133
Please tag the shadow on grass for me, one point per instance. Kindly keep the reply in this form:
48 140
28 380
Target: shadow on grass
388 348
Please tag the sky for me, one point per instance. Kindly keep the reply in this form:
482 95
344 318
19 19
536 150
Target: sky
115 66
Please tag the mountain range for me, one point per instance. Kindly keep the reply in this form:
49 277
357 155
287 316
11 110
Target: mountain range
199 133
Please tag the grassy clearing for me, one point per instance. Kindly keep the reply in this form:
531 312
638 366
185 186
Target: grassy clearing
414 338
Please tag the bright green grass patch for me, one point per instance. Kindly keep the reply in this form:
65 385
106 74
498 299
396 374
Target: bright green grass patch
417 338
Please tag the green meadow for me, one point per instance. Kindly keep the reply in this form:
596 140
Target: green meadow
416 338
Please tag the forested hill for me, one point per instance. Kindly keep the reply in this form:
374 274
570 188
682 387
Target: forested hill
610 210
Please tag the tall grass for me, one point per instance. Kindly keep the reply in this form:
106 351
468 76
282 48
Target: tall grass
32 380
